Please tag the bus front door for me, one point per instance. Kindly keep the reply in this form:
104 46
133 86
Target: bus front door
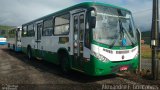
78 36
38 40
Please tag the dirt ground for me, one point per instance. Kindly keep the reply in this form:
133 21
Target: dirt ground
18 73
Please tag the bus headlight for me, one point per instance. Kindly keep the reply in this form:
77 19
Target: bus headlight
103 58
100 57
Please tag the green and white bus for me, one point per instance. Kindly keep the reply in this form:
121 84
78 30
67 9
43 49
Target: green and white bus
90 37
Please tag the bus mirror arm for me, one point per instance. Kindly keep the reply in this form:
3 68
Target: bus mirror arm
139 44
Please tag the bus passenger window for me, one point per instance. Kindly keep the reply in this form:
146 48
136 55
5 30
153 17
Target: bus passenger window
81 27
31 30
24 31
75 28
61 26
47 27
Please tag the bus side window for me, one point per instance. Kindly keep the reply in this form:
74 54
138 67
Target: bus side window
24 31
61 25
30 30
47 27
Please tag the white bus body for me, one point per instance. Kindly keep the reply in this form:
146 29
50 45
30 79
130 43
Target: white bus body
14 39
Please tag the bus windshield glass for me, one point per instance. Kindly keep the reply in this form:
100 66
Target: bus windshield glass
114 27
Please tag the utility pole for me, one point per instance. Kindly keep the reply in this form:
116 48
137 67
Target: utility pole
154 39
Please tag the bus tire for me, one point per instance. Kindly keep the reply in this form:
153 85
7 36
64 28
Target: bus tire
29 53
9 45
64 63
14 48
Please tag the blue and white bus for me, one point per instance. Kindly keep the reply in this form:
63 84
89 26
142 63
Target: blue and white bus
3 40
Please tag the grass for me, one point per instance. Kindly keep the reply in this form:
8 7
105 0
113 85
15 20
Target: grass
146 52
3 27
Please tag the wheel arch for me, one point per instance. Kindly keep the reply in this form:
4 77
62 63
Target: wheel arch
62 51
29 46
29 50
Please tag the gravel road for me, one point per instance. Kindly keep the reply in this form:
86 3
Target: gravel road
18 73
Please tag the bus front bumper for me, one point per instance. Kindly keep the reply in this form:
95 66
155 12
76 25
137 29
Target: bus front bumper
3 43
99 68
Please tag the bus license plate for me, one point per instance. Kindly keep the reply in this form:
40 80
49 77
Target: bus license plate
123 68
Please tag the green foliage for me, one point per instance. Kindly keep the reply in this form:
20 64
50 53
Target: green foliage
2 27
146 34
4 30
146 37
146 52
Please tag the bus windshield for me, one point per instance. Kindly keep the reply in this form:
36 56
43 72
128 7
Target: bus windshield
114 27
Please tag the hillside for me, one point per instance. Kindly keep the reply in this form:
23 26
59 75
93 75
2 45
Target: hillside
4 29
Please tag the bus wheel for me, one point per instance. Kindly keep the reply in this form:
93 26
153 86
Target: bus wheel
64 63
8 45
29 53
14 48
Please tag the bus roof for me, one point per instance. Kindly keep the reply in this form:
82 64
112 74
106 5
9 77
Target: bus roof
80 5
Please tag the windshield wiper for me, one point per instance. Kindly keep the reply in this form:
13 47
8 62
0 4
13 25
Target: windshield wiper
117 35
128 35
121 31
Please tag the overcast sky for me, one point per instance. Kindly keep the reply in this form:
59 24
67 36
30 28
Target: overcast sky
17 12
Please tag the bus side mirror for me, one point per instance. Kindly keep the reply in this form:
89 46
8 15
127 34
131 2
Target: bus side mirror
92 22
138 34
